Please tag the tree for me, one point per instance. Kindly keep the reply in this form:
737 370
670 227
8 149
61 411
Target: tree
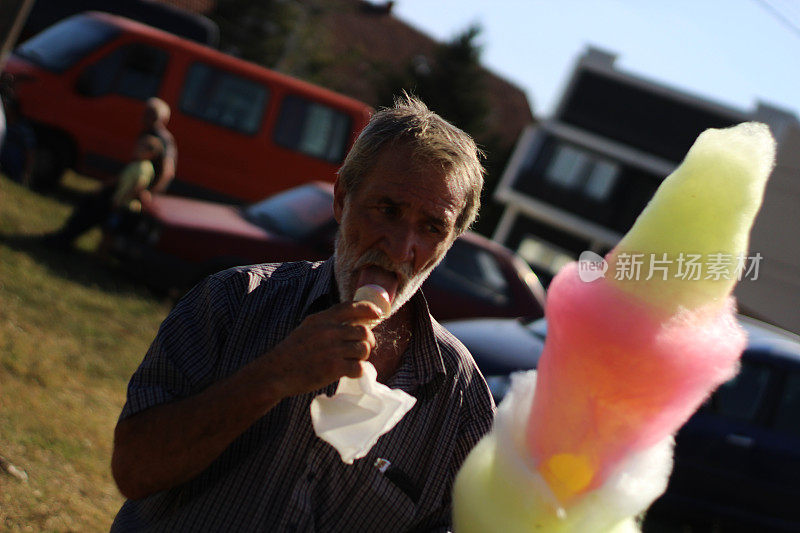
452 82
256 31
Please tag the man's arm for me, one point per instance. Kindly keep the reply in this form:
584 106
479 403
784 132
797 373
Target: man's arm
170 444
169 161
165 177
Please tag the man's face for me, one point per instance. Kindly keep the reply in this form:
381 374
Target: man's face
396 227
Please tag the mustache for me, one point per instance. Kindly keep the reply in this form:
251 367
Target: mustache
377 258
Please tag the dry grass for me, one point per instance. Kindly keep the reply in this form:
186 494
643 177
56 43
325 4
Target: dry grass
72 330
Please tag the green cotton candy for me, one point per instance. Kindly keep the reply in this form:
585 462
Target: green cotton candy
702 212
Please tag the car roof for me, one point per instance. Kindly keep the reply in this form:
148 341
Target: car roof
771 340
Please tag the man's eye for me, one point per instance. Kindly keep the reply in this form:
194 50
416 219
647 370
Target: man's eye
389 210
433 228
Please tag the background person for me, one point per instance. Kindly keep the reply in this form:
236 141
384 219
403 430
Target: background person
216 432
133 181
154 121
96 208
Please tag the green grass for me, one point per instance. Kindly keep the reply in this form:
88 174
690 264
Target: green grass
72 330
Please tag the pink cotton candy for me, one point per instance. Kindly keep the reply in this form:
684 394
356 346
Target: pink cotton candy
616 377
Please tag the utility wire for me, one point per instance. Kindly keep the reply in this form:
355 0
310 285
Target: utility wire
775 12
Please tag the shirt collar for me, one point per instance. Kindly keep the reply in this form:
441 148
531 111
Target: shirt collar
323 293
422 362
425 356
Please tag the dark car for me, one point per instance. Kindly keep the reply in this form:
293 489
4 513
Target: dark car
737 460
176 241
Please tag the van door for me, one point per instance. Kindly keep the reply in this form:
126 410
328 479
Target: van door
112 92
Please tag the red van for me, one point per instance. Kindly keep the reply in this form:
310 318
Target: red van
243 131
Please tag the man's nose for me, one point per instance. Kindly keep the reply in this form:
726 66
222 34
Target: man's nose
401 245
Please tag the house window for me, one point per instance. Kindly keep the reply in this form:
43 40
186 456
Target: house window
567 167
601 180
223 98
313 129
574 169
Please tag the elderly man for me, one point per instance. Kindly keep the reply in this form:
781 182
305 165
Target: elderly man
216 433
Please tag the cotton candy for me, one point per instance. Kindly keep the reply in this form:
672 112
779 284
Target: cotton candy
629 356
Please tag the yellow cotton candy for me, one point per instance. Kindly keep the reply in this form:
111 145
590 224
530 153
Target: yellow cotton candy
703 212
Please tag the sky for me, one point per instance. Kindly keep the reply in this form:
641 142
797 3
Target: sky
735 52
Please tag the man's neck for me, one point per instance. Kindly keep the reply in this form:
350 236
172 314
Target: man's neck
393 337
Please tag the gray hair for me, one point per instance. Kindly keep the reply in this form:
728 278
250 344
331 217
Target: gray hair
433 141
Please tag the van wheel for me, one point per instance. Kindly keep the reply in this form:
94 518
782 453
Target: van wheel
51 159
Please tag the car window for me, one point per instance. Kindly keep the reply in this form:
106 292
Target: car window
133 70
313 129
224 98
741 397
787 415
296 213
472 270
62 45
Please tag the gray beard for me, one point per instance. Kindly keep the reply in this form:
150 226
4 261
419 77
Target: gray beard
346 264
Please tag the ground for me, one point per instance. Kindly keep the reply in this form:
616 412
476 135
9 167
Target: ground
72 330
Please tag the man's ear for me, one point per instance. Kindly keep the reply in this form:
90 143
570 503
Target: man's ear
338 200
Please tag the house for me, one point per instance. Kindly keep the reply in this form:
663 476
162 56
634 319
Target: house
577 180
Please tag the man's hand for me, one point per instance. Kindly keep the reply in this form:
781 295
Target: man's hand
326 346
169 444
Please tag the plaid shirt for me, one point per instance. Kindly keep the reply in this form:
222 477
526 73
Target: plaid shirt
278 476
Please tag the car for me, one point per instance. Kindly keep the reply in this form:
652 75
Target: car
737 460
175 242
243 131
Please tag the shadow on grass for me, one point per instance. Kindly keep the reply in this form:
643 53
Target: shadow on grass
87 268
65 191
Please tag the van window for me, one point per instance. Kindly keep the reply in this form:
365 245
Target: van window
133 70
64 44
314 129
223 98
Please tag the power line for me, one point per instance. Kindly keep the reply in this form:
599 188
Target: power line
775 12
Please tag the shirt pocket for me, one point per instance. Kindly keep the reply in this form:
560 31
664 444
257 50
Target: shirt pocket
383 504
